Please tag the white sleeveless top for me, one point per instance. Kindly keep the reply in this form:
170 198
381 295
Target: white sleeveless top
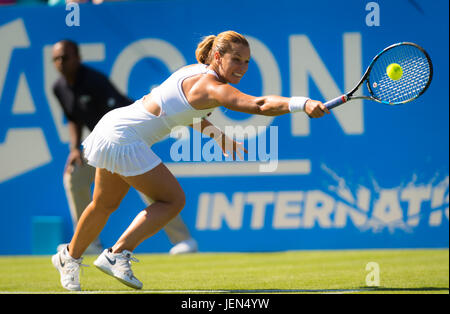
175 109
121 140
170 97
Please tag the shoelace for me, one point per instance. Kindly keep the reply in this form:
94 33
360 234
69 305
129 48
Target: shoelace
81 267
74 264
72 267
124 264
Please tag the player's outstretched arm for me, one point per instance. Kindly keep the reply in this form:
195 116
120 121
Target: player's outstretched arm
271 105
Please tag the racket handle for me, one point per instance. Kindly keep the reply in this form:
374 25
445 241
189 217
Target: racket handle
336 102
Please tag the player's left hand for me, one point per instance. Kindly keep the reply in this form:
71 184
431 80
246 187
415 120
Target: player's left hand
231 147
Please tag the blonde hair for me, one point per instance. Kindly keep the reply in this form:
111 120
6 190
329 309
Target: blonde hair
221 43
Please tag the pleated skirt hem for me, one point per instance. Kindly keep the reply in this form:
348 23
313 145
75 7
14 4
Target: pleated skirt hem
127 159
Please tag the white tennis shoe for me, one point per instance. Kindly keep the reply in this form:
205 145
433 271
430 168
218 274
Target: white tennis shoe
69 269
183 247
118 265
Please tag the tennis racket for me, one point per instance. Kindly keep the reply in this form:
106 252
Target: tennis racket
417 73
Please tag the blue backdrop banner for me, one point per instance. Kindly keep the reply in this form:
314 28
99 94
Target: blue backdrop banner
366 176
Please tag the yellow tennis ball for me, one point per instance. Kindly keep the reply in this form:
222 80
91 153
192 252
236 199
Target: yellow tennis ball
394 71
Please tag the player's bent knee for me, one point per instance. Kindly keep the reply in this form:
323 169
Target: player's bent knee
180 201
177 202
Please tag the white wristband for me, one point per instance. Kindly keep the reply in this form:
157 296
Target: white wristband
297 104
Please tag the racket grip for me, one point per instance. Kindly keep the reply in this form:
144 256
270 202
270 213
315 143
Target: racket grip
336 101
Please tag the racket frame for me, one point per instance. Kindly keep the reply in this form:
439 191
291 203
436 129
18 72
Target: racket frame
349 96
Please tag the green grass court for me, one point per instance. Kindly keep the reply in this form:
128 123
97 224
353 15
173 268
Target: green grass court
401 271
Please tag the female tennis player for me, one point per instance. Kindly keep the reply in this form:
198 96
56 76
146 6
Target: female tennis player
119 148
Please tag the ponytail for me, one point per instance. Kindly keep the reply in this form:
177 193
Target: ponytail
221 43
203 51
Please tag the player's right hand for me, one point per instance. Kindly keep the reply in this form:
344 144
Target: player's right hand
315 109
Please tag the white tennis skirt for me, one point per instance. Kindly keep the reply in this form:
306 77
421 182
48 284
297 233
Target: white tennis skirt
118 148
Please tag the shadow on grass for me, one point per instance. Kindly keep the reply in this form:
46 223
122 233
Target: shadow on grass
281 291
405 289
361 289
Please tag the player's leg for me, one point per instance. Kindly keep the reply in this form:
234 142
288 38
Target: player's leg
77 185
109 190
177 232
161 186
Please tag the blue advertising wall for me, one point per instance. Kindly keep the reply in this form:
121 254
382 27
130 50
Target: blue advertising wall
366 176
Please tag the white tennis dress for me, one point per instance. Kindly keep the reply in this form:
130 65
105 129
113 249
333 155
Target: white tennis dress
121 140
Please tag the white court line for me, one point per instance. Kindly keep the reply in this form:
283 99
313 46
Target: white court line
237 291
238 168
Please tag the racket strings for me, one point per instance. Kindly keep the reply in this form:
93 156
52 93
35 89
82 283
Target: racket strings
416 74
